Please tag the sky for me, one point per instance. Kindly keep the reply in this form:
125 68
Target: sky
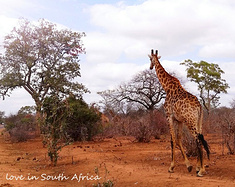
120 35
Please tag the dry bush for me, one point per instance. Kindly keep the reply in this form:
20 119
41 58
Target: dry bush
140 125
189 143
142 130
148 125
226 125
19 135
136 126
222 123
116 128
21 127
159 123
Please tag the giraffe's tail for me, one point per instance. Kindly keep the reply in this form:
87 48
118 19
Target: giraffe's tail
205 144
200 114
200 136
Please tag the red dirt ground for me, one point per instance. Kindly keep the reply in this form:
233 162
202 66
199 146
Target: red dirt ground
118 159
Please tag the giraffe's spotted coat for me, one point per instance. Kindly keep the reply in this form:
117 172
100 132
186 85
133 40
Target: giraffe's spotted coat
180 107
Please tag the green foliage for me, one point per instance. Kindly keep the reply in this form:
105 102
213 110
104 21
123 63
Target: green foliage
209 81
55 112
27 110
83 122
2 117
24 121
11 122
65 121
106 182
38 58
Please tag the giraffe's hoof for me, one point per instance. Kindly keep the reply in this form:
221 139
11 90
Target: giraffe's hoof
199 174
171 168
190 168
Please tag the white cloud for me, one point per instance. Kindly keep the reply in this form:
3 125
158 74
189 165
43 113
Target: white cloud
219 50
16 9
17 99
174 26
190 29
123 35
103 76
6 25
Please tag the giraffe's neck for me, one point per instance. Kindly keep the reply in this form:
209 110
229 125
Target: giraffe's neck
168 82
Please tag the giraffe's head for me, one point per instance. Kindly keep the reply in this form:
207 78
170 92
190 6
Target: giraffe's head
153 58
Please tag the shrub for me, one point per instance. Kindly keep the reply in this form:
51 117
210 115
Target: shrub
149 125
160 126
140 124
19 135
55 112
83 122
189 143
142 131
106 182
20 126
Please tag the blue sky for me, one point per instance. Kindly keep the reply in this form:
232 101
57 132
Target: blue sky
120 34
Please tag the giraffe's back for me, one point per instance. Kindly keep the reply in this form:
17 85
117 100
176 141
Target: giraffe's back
185 108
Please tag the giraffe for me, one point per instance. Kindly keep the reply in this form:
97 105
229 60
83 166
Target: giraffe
181 107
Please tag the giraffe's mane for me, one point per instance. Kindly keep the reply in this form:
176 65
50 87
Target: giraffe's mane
178 82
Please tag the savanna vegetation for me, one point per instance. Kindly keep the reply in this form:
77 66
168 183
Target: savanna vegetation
44 60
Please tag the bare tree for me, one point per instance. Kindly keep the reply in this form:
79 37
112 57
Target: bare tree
143 92
132 99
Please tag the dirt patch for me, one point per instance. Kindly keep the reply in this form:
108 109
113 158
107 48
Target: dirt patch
119 160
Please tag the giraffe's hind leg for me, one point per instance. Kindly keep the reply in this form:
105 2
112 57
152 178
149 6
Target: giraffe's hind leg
179 136
172 166
200 169
189 166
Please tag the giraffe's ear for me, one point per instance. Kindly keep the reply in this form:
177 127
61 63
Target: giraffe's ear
150 56
158 57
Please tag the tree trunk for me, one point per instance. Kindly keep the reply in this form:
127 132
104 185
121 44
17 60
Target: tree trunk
207 125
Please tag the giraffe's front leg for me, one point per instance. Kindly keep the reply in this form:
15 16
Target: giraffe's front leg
170 120
173 143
